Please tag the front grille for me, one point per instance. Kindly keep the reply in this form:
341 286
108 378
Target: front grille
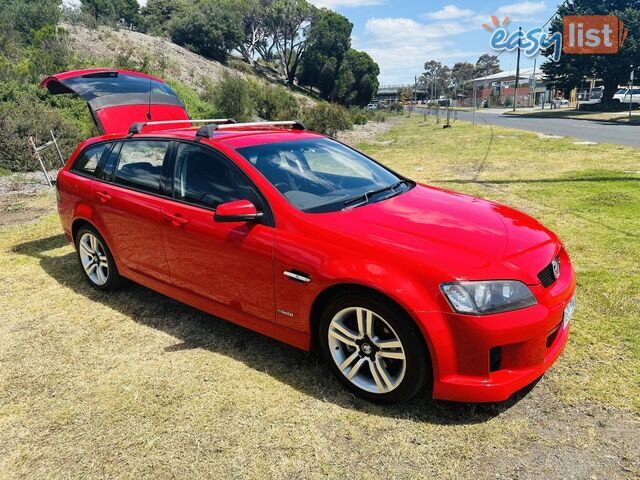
546 276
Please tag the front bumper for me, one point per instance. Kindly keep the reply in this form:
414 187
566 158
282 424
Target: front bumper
488 358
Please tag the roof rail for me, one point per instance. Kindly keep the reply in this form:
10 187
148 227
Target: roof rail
212 125
207 131
138 126
294 124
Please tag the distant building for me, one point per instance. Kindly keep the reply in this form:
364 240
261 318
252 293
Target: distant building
498 90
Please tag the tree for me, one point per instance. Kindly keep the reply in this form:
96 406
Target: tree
157 14
357 80
211 28
436 77
100 10
256 34
612 69
110 11
461 75
128 12
487 65
329 39
287 22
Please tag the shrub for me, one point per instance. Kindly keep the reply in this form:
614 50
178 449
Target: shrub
359 116
508 101
27 115
232 96
197 107
379 117
327 118
274 102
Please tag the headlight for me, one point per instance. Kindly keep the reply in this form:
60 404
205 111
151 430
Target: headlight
480 298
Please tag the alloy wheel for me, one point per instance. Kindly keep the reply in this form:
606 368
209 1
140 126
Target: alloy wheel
367 350
94 259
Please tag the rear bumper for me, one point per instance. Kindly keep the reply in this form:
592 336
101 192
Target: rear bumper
489 358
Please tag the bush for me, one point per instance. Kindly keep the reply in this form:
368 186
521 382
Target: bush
327 118
197 107
359 116
508 101
232 96
274 102
26 115
397 108
379 117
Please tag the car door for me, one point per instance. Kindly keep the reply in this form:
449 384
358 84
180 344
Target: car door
228 263
128 198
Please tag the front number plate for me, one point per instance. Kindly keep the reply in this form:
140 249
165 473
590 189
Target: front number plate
568 311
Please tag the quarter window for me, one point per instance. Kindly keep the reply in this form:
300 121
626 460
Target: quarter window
206 178
140 164
88 162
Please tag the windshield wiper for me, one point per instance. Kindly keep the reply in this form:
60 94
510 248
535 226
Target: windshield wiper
366 197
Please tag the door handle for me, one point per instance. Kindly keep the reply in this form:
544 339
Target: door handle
176 220
103 197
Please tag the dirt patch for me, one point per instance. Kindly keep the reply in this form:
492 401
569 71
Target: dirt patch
367 133
25 197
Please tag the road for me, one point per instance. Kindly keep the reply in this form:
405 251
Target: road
588 130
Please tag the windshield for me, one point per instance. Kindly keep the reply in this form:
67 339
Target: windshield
321 175
622 91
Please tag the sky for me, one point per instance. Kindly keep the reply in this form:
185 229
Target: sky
402 35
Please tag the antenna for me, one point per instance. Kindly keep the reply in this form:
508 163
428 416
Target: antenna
149 106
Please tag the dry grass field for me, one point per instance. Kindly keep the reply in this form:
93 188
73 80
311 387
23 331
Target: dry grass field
135 385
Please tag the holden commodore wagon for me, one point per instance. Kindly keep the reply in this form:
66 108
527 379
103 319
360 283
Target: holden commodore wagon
397 284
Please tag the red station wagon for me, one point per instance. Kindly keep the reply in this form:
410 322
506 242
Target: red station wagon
292 234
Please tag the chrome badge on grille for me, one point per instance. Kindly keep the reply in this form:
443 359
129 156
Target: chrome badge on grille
555 264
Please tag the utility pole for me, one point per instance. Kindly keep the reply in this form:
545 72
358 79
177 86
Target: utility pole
533 85
415 90
631 93
515 96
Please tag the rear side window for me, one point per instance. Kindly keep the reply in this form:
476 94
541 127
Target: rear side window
87 163
140 164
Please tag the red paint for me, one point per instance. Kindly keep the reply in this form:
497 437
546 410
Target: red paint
403 247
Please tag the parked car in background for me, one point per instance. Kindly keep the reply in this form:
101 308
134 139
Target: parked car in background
626 95
398 285
372 106
591 97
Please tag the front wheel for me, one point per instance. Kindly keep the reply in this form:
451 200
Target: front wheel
374 348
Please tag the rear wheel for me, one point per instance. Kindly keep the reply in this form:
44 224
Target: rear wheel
95 258
373 348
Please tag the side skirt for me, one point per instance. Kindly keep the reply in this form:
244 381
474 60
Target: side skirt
286 335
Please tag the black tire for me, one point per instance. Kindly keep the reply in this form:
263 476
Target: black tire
114 280
417 367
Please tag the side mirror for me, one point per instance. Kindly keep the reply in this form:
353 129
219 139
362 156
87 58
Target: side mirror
237 211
